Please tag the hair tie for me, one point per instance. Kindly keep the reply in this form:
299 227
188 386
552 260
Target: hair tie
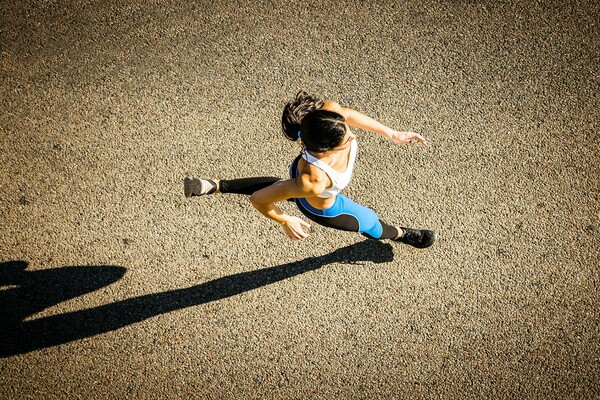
298 133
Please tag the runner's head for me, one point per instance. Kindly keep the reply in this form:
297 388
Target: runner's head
323 131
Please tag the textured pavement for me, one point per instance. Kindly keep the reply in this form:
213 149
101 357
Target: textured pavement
113 285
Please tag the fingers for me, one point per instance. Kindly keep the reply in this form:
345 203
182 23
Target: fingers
300 232
302 235
421 139
294 230
304 224
408 137
298 235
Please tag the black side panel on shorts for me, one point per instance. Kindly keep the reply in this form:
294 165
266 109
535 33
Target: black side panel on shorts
344 222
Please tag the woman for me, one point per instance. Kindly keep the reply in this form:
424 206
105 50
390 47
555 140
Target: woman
318 174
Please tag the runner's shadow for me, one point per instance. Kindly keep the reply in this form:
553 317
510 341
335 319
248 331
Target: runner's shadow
29 292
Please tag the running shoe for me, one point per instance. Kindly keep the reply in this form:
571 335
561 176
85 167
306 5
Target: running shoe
419 238
198 187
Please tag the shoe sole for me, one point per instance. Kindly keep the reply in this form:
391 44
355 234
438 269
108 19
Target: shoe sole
187 187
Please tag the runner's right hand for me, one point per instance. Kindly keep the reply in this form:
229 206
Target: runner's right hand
292 227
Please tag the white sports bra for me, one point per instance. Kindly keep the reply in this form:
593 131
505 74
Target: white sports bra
339 180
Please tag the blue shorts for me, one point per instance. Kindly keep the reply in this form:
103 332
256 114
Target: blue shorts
344 214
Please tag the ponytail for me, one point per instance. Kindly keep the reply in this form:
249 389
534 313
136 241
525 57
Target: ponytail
295 111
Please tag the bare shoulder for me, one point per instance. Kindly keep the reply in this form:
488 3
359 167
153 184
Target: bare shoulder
313 180
335 107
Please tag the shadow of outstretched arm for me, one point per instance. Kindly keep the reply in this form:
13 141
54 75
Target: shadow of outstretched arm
19 336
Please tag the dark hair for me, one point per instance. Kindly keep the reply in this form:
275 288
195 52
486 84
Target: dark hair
322 130
295 111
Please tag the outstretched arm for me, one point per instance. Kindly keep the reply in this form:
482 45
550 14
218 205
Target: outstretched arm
359 120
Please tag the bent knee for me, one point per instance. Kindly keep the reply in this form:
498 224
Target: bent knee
374 230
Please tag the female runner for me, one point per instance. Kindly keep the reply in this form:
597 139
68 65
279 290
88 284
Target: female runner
318 174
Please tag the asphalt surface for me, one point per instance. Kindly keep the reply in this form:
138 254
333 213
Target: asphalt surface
113 285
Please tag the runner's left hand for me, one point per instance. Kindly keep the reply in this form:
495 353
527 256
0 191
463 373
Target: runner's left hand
407 138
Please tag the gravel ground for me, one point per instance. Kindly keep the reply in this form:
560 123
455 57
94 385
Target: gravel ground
113 285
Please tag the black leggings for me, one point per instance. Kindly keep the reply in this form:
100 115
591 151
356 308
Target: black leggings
247 185
344 215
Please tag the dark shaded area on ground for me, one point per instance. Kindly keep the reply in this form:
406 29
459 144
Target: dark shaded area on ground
36 290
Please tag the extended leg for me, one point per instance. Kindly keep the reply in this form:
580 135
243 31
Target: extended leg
348 215
247 186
